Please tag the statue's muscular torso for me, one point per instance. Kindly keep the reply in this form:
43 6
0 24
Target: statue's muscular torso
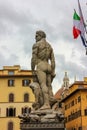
42 53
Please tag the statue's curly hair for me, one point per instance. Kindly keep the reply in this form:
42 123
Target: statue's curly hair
41 33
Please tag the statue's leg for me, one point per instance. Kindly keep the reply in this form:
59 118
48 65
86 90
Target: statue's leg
42 80
51 96
49 85
36 92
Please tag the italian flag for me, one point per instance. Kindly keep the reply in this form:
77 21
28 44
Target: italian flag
76 25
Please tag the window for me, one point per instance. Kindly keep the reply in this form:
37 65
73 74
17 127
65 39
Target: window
79 113
10 112
72 103
11 73
65 107
85 112
60 105
69 118
10 126
80 128
79 99
26 82
11 97
11 82
26 110
26 97
75 101
76 114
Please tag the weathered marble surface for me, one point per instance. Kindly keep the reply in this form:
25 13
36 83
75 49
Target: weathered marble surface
43 67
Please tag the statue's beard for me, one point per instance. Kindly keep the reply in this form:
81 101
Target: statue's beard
38 40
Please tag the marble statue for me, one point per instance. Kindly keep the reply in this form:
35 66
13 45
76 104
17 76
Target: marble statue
43 66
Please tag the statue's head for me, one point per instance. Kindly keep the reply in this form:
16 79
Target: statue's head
39 35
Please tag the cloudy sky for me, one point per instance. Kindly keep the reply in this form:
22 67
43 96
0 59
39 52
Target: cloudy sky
20 19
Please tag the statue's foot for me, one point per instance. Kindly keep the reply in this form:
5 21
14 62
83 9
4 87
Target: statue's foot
45 106
52 101
36 105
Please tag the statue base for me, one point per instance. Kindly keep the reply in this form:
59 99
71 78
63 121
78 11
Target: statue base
42 126
42 120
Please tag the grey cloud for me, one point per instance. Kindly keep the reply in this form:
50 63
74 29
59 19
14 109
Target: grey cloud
84 61
12 60
72 69
14 18
9 12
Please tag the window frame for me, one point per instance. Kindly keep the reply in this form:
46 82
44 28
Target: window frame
11 82
26 82
26 97
11 97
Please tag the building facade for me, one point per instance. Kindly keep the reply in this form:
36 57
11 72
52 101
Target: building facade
76 106
16 96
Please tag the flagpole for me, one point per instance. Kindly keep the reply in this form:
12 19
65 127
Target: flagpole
86 33
84 24
81 15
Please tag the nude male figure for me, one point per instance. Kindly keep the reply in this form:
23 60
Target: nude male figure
43 62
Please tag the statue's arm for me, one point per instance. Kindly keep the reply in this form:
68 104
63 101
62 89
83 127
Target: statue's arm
52 58
34 56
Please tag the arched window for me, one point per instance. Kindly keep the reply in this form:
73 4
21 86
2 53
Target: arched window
26 97
11 97
10 126
10 112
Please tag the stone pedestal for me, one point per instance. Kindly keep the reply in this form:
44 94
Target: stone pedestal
42 126
42 120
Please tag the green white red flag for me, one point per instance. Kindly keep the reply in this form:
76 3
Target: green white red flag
76 25
79 28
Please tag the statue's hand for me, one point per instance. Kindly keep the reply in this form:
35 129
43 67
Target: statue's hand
53 74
